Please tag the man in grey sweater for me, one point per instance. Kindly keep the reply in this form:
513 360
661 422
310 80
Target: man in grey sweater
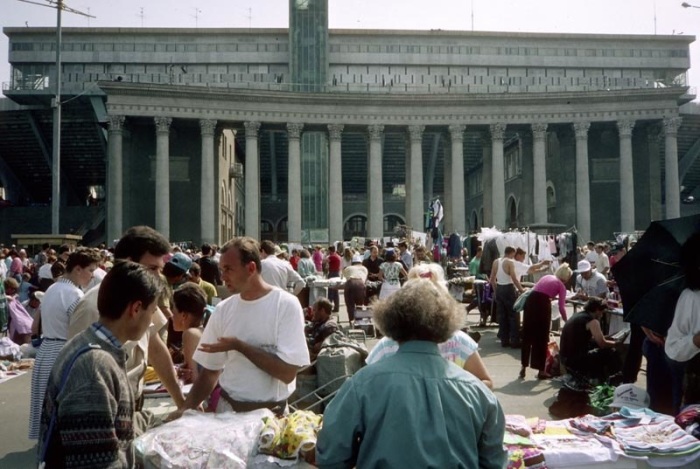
88 417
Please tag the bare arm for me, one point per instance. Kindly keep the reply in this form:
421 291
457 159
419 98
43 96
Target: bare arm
475 365
509 268
201 389
163 364
190 341
492 278
268 362
597 333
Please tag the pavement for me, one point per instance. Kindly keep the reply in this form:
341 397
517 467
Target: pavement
529 397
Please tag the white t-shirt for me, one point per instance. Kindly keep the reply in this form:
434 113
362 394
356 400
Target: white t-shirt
457 349
97 277
274 323
58 304
592 257
45 271
686 323
279 273
602 262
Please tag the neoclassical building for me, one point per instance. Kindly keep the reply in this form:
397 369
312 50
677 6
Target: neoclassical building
308 134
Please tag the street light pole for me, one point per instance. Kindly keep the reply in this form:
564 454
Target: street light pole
56 150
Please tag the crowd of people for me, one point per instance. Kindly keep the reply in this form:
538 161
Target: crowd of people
105 316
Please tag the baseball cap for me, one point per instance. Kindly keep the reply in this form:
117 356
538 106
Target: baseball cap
583 266
629 395
181 261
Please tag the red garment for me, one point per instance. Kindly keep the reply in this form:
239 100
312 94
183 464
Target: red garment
294 260
334 262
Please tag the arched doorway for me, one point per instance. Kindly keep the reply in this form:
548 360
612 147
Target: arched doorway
391 221
512 212
355 225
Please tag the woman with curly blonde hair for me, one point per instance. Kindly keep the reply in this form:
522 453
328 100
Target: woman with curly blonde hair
462 424
458 348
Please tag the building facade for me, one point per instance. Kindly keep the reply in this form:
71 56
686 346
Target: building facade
328 134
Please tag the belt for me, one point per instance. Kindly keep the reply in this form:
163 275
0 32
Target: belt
56 339
278 408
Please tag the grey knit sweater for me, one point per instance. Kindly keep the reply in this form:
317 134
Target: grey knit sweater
95 424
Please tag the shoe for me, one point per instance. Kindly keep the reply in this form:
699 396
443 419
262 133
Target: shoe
543 375
476 336
515 345
521 375
336 310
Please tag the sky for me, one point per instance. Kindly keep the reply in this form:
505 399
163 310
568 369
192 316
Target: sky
557 16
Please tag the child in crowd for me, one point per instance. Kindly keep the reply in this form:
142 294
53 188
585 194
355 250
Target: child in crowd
189 303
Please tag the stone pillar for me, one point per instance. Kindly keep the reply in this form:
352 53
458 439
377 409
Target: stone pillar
335 184
375 201
208 185
626 176
458 196
294 183
583 187
163 175
673 186
539 166
655 209
252 180
407 180
446 199
115 180
487 197
498 188
415 213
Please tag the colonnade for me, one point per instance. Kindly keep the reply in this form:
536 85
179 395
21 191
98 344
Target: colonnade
493 177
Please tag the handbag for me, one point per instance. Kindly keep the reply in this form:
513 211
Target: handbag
519 304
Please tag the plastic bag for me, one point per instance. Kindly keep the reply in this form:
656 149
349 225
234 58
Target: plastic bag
202 440
286 437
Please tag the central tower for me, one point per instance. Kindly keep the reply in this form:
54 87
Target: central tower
308 44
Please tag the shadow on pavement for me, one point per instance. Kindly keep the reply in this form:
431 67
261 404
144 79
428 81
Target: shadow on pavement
19 460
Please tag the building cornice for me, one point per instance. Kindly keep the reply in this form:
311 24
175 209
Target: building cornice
15 30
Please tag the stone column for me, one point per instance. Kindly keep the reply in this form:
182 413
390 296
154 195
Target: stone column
375 202
539 167
208 186
415 213
655 209
446 199
335 184
583 188
163 175
407 180
294 183
252 180
498 187
115 180
487 193
458 196
673 187
626 176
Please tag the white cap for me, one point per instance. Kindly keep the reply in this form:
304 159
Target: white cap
629 395
583 266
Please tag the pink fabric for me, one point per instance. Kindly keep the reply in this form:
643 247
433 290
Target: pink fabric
16 266
553 287
317 257
21 322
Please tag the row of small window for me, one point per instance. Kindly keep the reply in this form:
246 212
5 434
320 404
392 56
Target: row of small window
351 48
486 50
149 47
382 80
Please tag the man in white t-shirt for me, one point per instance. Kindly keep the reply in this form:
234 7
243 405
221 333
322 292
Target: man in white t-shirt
602 263
591 255
589 283
278 272
254 342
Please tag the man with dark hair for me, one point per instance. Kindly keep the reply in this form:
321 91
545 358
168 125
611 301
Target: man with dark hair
196 278
146 246
63 252
88 417
278 272
321 327
584 349
334 262
210 268
253 344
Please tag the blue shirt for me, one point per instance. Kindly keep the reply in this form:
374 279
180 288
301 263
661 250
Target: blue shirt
413 409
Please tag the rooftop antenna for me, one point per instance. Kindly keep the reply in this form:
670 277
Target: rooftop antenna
250 17
472 15
197 12
141 15
60 6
